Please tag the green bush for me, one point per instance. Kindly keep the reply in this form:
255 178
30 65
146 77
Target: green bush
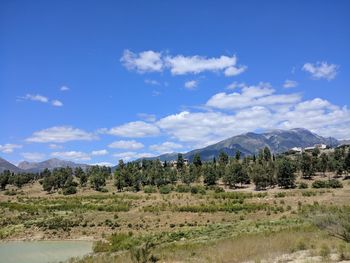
183 188
319 184
333 183
165 189
303 185
149 189
70 190
198 189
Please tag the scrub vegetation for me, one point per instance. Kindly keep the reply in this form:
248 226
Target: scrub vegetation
228 210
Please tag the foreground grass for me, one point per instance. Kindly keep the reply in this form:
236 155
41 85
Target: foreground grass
254 246
205 226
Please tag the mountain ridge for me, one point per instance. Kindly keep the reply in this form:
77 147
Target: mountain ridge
250 143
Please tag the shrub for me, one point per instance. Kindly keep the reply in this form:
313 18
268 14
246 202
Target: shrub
303 185
280 195
198 189
165 189
309 193
182 188
70 190
333 183
319 184
335 220
104 190
149 189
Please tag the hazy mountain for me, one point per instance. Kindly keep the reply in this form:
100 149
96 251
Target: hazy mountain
35 167
347 142
5 165
250 143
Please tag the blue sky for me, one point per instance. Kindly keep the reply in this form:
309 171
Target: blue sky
96 81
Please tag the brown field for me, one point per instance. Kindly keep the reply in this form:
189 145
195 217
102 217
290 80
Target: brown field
235 226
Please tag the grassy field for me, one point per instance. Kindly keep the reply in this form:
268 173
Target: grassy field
202 226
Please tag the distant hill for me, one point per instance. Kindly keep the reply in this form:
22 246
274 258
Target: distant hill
346 142
5 165
35 167
250 143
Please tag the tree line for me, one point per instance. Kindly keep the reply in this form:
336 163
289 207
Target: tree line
264 170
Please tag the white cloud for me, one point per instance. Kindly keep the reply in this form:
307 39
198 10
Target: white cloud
261 95
55 146
165 147
235 85
127 145
255 108
99 152
128 156
180 65
234 71
152 61
9 147
37 97
64 88
42 99
61 134
146 61
290 84
321 70
72 155
147 117
134 130
56 103
192 84
33 156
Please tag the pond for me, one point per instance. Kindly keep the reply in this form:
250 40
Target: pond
42 251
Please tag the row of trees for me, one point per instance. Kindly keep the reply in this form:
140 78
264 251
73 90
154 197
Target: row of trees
64 179
264 170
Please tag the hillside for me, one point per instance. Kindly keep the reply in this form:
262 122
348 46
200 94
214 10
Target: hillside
250 143
5 165
49 164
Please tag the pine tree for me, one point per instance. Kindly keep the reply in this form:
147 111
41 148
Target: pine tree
285 173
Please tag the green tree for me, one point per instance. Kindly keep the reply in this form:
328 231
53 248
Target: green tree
119 176
210 174
285 173
347 162
197 160
97 180
267 154
48 183
223 159
323 163
4 179
185 175
307 166
81 175
260 176
180 162
238 155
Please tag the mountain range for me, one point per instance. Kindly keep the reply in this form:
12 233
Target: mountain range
248 144
36 167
